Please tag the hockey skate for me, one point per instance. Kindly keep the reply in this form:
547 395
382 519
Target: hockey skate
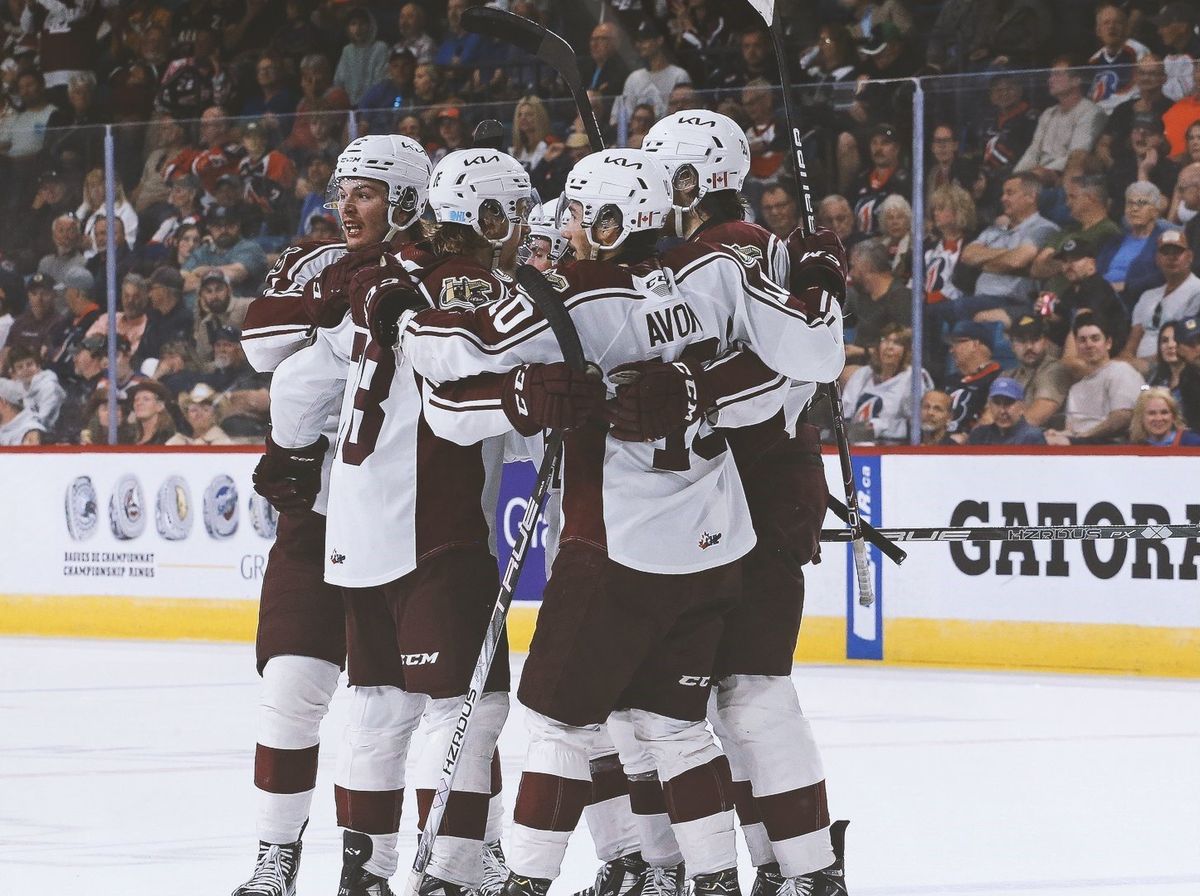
495 872
717 883
274 870
666 881
768 880
356 850
524 886
435 886
829 881
624 876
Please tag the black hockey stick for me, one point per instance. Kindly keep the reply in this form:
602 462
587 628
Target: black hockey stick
1147 532
892 551
866 597
572 351
546 46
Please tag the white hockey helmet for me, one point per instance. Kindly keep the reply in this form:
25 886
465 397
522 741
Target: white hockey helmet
623 187
486 189
701 150
544 224
399 162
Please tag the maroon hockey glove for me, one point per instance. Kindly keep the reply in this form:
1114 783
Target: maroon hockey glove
290 478
818 261
654 398
327 296
549 396
388 291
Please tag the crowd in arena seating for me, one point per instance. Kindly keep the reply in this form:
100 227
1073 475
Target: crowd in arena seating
1061 188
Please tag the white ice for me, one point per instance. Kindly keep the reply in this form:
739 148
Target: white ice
125 769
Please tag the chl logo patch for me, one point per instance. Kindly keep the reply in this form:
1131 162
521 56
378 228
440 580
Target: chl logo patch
707 541
464 292
749 255
336 557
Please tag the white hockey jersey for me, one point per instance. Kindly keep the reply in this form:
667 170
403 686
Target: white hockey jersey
675 506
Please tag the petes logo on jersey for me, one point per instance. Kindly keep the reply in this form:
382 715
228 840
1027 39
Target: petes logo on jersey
750 255
464 292
670 324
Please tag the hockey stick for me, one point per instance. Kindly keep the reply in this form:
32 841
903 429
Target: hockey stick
1147 532
547 46
893 552
866 596
564 331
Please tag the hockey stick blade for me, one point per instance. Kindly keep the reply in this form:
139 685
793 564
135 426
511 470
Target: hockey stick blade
1145 532
547 46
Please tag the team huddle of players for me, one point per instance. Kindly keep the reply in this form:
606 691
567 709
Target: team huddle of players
408 367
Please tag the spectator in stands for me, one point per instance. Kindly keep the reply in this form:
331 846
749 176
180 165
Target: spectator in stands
97 265
1086 292
866 16
68 255
427 85
1187 345
1128 264
298 35
195 81
877 397
152 422
18 425
1176 24
460 50
953 216
887 175
935 417
127 377
187 238
241 260
1043 377
95 421
72 327
834 213
948 167
78 138
44 394
272 98
1182 114
654 82
310 189
1005 253
244 404
179 367
319 96
269 179
1176 299
93 207
550 176
132 318
1100 405
877 298
779 212
1158 421
89 365
895 229
531 132
640 122
1147 99
170 156
1006 408
1142 158
604 71
414 34
182 206
22 134
452 132
169 319
364 58
971 348
1072 123
1087 202
200 411
755 61
832 70
1168 367
765 133
1008 130
216 308
51 200
1113 62
702 36
1185 203
682 98
33 329
384 100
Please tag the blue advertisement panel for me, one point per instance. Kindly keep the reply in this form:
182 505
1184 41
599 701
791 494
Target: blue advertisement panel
864 625
515 488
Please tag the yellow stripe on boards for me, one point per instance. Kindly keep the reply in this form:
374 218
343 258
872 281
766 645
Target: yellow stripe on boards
953 643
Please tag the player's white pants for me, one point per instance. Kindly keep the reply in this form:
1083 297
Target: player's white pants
758 844
370 769
653 825
761 721
609 817
294 698
458 850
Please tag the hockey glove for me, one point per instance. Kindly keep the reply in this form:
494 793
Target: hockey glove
327 296
549 396
390 291
654 398
290 478
818 262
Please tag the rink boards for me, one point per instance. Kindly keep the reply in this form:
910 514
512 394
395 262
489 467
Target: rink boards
168 544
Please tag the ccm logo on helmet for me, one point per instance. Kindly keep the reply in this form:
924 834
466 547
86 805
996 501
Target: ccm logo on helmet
623 162
480 160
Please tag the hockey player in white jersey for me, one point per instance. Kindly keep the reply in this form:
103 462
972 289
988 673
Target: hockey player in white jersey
651 532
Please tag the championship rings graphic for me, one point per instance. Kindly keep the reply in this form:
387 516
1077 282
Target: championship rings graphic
221 507
82 508
127 508
263 516
173 510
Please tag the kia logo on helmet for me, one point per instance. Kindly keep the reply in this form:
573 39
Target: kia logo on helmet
707 122
481 160
623 162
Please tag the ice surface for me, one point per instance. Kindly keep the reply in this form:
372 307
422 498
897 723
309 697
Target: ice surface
125 768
